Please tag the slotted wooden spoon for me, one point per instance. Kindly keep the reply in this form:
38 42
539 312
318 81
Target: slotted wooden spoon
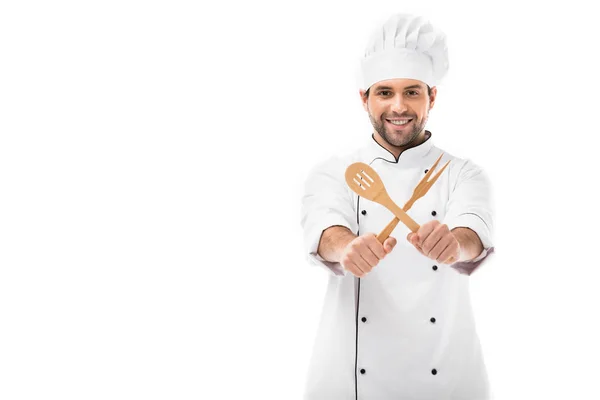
365 182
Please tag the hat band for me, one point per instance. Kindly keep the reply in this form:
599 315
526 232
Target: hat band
397 63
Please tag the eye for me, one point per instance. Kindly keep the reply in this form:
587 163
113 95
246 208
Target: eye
384 93
412 93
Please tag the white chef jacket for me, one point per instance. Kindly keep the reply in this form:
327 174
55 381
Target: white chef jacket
406 329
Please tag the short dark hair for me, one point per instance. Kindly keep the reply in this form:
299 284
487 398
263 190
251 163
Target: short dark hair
428 92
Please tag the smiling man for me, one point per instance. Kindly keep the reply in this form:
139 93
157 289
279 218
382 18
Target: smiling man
397 321
398 110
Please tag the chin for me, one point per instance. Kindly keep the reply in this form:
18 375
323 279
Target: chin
401 139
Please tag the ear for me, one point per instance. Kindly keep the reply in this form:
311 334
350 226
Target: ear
364 99
432 97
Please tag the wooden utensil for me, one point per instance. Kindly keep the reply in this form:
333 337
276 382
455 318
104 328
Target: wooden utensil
423 187
365 182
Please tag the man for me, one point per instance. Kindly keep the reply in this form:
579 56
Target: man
397 321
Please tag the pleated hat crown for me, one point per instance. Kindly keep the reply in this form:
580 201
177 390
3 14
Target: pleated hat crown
406 46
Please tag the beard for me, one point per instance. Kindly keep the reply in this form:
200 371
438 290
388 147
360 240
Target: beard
395 139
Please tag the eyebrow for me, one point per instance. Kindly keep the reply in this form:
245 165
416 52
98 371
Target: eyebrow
416 86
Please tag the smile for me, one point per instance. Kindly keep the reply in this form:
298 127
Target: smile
398 121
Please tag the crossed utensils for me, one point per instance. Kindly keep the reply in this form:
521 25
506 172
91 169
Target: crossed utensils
365 182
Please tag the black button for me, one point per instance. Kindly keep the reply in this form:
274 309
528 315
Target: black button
433 213
362 371
426 171
432 320
364 212
435 267
434 371
363 319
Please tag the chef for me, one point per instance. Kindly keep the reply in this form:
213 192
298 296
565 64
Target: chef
397 322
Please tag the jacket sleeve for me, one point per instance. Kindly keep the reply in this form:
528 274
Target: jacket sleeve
327 201
470 206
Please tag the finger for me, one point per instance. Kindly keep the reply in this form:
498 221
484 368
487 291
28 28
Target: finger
349 265
413 239
369 256
354 270
449 252
374 247
427 229
420 250
360 263
447 243
433 239
450 260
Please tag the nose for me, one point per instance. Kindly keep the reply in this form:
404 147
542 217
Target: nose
398 104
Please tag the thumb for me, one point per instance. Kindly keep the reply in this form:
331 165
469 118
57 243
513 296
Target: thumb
389 244
415 240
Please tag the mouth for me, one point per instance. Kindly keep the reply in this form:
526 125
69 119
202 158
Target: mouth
398 122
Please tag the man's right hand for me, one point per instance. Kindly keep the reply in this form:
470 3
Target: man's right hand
364 252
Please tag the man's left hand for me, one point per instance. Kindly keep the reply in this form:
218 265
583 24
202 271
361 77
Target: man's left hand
435 241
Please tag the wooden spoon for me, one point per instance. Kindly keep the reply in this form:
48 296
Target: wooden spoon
365 182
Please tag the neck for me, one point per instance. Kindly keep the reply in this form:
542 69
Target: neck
397 150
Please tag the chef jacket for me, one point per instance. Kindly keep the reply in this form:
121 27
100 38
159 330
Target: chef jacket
406 329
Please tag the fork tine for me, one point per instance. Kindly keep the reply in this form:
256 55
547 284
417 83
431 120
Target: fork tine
423 182
432 181
433 167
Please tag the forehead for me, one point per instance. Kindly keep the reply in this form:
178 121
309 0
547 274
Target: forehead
399 84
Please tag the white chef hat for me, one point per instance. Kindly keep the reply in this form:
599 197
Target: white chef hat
406 46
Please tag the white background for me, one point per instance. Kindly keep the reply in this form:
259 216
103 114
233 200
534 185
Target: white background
152 158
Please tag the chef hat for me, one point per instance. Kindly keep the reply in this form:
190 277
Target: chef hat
406 46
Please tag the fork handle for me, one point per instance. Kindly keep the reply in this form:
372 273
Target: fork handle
403 216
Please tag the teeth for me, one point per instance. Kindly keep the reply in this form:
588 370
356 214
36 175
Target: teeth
399 122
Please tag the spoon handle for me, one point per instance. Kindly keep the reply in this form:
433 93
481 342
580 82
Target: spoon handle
387 231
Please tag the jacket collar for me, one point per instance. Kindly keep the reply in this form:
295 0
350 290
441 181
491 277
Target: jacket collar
412 155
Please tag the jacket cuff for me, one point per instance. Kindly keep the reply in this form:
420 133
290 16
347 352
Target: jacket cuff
334 268
483 231
313 238
468 267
